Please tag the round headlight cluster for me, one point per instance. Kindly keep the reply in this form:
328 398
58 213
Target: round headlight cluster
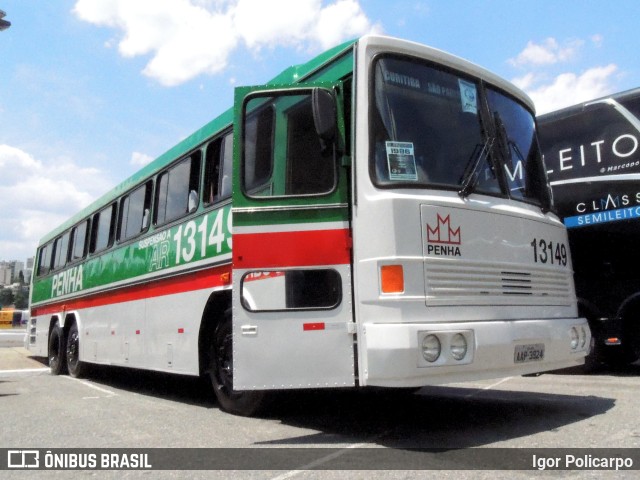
458 346
431 348
575 338
578 335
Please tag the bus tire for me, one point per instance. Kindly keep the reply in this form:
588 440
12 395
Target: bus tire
631 334
74 365
56 350
244 403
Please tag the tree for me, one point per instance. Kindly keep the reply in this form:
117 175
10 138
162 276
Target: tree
21 299
6 297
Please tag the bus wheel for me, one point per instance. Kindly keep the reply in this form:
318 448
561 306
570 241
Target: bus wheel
56 350
74 365
245 403
631 336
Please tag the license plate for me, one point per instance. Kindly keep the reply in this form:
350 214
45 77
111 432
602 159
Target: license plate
529 353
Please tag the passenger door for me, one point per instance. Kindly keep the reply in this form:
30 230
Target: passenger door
292 310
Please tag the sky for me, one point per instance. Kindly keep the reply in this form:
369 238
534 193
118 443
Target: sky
92 90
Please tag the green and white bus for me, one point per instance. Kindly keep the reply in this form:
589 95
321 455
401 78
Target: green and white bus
391 227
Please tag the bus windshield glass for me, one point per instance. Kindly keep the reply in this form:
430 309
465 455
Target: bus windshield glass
431 128
516 137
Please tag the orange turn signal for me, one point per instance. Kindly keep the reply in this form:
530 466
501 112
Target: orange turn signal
392 279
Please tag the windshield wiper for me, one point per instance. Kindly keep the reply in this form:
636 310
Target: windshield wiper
470 174
504 142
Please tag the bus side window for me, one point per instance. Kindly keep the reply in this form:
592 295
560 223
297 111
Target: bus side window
78 246
309 169
134 212
177 190
282 153
227 162
61 251
44 259
217 170
296 289
258 149
103 227
212 172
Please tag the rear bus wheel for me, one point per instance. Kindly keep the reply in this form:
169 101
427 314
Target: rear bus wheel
75 366
245 403
56 350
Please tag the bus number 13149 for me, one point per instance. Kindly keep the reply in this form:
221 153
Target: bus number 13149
549 252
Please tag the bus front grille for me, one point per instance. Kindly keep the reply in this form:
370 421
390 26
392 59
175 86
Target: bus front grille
477 283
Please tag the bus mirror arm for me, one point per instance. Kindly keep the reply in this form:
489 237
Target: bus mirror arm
324 116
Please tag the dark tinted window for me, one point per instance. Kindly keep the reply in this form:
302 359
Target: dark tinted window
102 231
295 163
309 171
135 211
587 143
258 151
44 259
61 250
177 190
217 170
79 241
298 289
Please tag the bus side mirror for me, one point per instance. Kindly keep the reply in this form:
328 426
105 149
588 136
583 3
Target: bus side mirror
324 116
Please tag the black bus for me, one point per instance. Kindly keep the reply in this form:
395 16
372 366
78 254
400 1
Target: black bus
592 156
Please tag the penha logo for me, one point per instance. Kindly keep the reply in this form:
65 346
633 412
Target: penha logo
443 239
443 233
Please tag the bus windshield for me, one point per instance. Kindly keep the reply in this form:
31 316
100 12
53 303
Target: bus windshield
431 128
516 134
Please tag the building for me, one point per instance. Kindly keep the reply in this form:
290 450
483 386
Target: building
6 273
10 271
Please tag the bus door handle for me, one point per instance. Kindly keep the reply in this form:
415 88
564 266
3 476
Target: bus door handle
249 330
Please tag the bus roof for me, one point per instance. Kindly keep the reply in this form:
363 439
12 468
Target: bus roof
290 75
577 108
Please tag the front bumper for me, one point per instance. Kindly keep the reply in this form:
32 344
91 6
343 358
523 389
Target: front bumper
391 353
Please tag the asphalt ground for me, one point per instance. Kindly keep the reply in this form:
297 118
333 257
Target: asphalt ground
119 408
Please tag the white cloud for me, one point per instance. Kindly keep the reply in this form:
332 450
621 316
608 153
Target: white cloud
339 21
569 88
546 53
551 84
140 159
187 38
277 22
35 197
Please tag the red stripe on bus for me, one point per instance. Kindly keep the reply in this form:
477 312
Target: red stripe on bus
292 249
176 284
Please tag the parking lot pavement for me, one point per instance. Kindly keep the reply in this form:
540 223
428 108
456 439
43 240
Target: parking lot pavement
12 337
17 358
122 408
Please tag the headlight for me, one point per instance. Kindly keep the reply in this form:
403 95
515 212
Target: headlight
458 346
431 348
583 337
574 338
